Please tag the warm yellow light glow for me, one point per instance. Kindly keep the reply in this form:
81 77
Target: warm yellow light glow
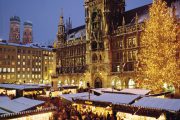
157 56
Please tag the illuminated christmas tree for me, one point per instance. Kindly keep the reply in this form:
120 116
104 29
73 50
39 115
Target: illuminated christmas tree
158 64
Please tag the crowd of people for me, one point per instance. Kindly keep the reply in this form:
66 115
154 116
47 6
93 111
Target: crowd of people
70 112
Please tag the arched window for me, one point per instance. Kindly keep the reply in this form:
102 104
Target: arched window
131 83
116 83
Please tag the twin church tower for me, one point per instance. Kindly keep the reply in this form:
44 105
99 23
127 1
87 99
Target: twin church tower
14 35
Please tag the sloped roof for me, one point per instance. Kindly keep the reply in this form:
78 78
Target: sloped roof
159 103
19 87
136 91
69 97
3 111
142 13
77 32
19 104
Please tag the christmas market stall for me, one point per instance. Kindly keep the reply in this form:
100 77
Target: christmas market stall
19 90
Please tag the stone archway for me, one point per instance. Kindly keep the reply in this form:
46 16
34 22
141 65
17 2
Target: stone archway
98 83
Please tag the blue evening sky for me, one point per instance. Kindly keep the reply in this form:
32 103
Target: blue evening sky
45 14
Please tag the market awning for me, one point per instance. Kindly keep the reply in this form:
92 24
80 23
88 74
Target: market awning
19 104
159 103
3 111
20 87
70 97
116 98
108 99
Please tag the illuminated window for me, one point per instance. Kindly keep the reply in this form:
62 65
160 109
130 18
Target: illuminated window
23 69
118 68
19 63
23 76
39 69
8 70
12 70
24 57
35 76
18 76
28 69
19 57
36 69
39 76
32 69
4 69
32 76
4 76
28 76
19 69
28 57
13 63
24 63
131 83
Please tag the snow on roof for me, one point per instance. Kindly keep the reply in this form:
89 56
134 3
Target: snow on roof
102 90
136 91
83 95
3 111
114 98
19 87
4 98
159 103
30 45
19 104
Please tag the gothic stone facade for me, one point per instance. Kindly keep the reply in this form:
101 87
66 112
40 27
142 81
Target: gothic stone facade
104 52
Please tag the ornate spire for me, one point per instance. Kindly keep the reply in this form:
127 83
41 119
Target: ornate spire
61 21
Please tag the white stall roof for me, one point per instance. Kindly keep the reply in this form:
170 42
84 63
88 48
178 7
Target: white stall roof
3 111
4 98
136 91
69 97
115 98
19 104
159 103
103 90
18 87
